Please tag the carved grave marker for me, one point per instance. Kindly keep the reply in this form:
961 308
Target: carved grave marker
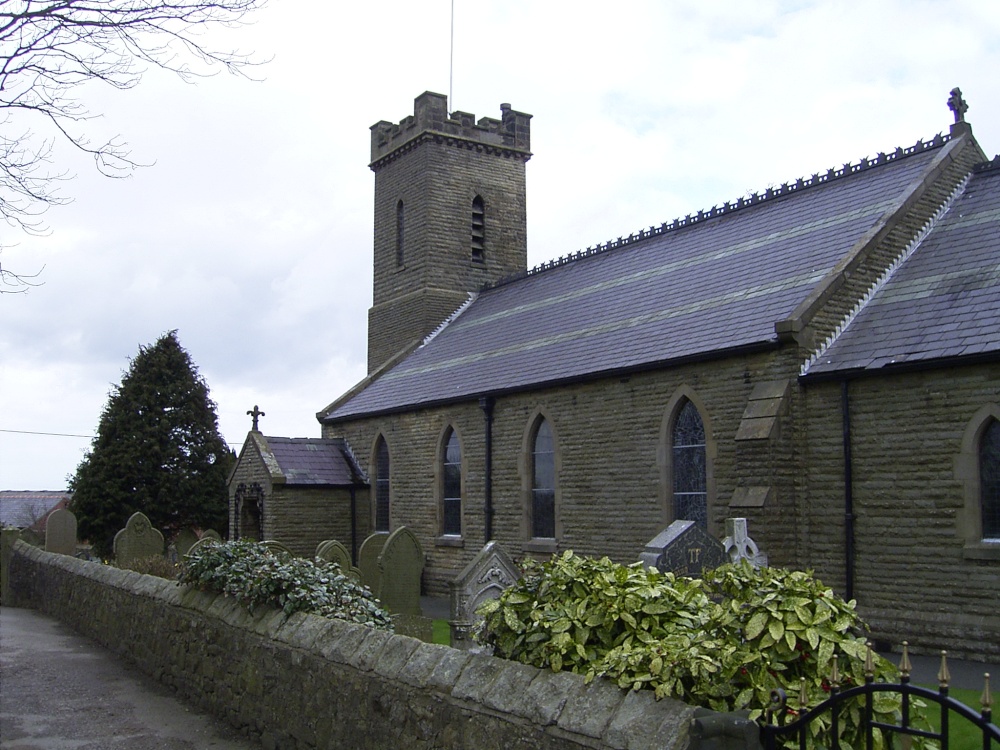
739 545
60 532
400 567
137 540
333 551
186 539
489 573
368 556
685 549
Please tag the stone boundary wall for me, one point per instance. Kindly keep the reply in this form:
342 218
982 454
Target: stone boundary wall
312 682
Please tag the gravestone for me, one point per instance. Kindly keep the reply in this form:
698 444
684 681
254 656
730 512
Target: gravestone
491 572
400 567
60 532
684 549
137 540
211 534
199 544
277 548
368 556
739 545
184 541
333 551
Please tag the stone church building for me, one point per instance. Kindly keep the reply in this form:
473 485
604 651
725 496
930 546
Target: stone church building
822 359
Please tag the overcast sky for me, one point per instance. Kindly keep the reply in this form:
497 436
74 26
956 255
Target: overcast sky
251 234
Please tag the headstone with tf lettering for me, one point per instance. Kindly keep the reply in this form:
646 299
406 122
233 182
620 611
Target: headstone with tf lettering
685 549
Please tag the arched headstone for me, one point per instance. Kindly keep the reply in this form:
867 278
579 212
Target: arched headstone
60 532
368 556
401 566
137 540
333 551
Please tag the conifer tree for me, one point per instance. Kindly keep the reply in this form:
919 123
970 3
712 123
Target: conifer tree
157 450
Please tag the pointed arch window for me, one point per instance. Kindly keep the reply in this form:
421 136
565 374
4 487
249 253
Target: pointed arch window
543 482
451 486
688 464
382 476
989 480
399 233
478 228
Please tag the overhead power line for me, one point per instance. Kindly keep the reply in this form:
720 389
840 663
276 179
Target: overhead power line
52 434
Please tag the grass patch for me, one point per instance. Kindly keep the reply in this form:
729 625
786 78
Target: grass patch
962 733
442 632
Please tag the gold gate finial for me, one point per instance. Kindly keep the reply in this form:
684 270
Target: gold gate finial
944 676
905 667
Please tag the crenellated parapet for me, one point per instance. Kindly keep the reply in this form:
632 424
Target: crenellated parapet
511 134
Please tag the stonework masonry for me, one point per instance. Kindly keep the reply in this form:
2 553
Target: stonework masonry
428 170
309 682
300 517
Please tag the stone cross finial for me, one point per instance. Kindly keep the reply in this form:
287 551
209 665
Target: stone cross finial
256 414
957 104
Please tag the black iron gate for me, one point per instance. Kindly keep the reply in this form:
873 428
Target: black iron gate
778 729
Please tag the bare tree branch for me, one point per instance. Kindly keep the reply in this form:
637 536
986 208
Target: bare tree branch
49 48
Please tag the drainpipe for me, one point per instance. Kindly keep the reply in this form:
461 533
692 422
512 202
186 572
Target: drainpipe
354 526
486 403
845 409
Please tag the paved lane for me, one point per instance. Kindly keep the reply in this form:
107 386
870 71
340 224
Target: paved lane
61 691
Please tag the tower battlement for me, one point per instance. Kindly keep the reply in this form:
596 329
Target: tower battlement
512 132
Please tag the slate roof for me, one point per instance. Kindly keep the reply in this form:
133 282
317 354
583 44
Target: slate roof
698 288
315 461
942 302
21 508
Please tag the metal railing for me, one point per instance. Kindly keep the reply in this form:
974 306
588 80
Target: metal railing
775 732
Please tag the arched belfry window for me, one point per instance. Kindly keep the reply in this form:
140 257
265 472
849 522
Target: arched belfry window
451 485
543 482
399 233
688 466
989 480
382 471
478 228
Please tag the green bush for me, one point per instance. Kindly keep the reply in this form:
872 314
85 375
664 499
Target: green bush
723 642
258 577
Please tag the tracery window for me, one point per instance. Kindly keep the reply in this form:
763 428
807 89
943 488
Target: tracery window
543 482
478 228
451 486
989 480
688 466
381 485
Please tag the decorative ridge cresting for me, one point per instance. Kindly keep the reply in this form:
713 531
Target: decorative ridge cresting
448 321
988 166
729 207
886 275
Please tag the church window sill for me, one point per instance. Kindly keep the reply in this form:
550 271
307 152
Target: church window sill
448 540
543 546
985 550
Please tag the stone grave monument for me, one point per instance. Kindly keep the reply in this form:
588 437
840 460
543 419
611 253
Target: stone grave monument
60 532
137 540
333 551
739 545
489 573
186 539
275 547
368 556
684 549
400 567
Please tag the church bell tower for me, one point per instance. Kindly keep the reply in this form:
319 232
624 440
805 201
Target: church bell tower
450 216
